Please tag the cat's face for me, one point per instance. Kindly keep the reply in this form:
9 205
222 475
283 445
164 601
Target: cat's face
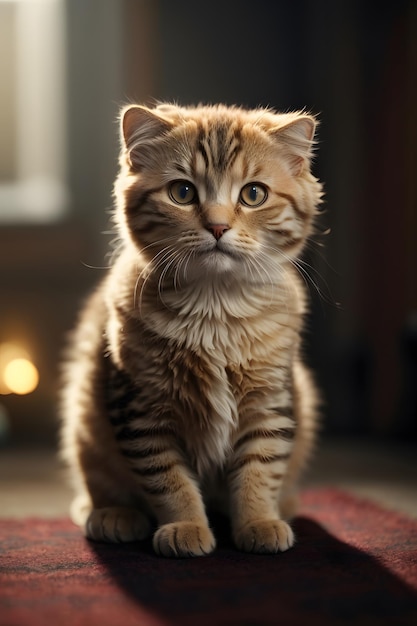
214 190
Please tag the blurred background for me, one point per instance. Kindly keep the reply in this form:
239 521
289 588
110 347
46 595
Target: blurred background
65 69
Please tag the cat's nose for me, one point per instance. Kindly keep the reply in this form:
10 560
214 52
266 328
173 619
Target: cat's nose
217 230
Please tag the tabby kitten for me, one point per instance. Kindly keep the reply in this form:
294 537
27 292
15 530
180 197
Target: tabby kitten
184 386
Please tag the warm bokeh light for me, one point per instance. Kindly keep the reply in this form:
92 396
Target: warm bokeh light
17 372
21 376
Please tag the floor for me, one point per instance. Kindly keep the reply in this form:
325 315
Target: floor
33 483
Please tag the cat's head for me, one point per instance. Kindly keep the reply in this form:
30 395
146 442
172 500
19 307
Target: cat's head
215 190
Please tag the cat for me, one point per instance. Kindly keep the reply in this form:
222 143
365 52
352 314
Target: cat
184 384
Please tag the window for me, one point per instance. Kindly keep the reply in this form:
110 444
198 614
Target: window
32 111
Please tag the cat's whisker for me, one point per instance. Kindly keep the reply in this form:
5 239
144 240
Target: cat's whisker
276 270
152 266
158 243
142 279
318 251
259 270
298 264
177 278
169 262
327 297
309 279
259 275
188 258
265 263
181 268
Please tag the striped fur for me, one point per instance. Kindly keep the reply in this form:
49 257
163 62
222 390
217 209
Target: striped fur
184 385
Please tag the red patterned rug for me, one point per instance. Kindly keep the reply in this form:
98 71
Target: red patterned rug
354 563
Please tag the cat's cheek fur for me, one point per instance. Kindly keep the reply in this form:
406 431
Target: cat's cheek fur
184 384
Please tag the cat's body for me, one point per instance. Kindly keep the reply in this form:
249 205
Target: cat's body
185 385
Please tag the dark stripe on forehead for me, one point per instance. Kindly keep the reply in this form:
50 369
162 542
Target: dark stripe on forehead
228 146
180 168
231 157
219 146
202 149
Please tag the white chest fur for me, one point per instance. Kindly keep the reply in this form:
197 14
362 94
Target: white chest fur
224 331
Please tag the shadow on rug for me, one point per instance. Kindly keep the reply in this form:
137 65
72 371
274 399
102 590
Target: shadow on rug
353 562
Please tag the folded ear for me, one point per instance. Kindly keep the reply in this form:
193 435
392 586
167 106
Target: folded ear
139 127
296 135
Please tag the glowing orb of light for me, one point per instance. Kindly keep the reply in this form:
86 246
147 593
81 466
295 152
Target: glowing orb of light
21 376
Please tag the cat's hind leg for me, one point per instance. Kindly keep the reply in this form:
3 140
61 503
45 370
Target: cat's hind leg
117 525
109 524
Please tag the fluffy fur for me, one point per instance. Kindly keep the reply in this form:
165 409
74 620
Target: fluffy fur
184 386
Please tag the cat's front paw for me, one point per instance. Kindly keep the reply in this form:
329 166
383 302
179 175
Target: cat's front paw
264 537
117 525
184 539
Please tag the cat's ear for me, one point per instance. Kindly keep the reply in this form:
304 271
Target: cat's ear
296 135
139 127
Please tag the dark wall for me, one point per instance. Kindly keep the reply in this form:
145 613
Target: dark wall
354 64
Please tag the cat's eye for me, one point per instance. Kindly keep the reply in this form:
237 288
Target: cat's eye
182 192
253 194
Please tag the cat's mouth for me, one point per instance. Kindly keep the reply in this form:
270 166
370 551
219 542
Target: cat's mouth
221 251
216 256
215 248
222 247
219 258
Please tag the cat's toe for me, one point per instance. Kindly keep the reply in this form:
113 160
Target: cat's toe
117 525
264 537
184 539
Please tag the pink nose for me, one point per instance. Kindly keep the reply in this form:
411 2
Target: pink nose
217 230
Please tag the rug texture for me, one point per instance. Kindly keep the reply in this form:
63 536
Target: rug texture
354 563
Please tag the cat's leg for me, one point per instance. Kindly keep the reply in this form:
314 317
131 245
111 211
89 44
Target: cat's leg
106 507
117 524
110 524
256 473
107 513
183 540
178 506
305 404
256 522
170 490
